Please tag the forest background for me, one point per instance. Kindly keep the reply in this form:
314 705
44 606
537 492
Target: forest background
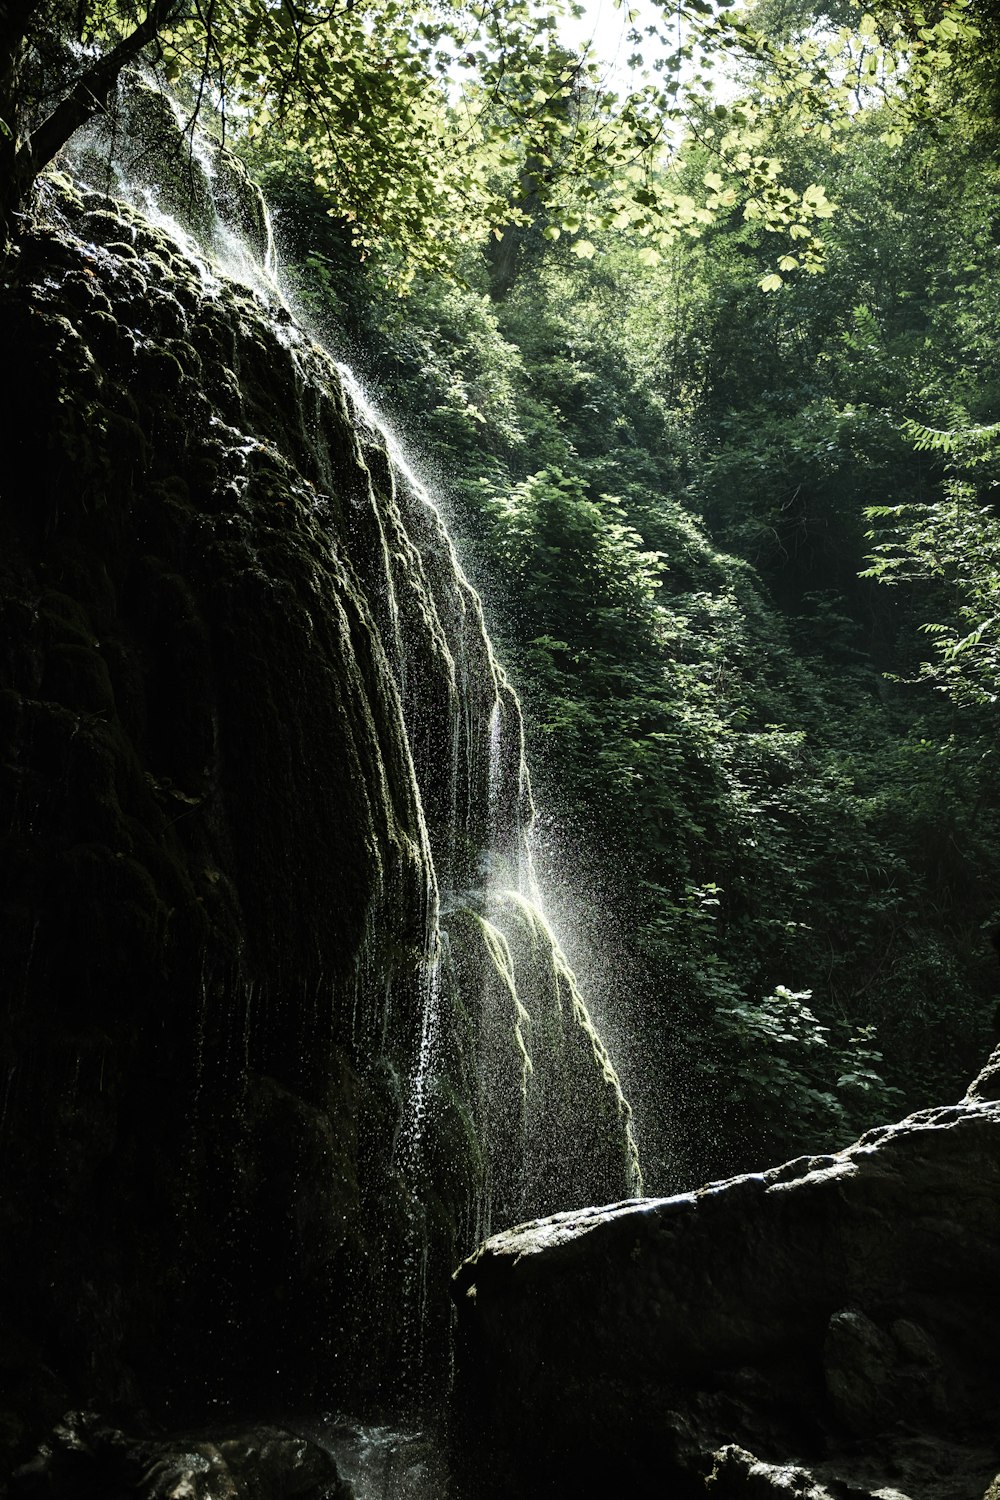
708 384
735 524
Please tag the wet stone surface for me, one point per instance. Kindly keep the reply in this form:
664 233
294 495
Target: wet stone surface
257 750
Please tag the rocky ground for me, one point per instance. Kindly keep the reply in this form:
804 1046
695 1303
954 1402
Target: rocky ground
86 1457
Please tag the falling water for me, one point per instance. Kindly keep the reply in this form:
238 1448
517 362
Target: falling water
378 423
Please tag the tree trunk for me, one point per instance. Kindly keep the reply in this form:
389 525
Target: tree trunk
24 153
502 256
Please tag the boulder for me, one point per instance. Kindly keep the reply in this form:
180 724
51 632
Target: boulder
86 1457
825 1330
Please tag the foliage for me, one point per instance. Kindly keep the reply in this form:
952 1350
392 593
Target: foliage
662 435
782 1061
950 548
431 124
425 124
660 477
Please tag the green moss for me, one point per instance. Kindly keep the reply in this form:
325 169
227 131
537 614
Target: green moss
499 955
251 703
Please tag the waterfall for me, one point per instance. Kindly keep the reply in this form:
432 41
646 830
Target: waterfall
492 913
284 778
544 1124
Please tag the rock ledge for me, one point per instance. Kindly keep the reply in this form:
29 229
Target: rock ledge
823 1330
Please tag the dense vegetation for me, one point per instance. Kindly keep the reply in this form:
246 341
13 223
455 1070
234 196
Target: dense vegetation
774 778
727 488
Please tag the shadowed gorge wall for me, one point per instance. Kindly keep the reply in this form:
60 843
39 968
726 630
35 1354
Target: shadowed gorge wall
284 1031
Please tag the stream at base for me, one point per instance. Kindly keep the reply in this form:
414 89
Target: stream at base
383 1462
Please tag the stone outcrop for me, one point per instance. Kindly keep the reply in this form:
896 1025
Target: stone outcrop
825 1330
256 755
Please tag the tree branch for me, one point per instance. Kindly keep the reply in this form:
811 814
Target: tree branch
89 94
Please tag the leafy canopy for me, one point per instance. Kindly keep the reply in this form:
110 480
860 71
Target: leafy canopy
432 122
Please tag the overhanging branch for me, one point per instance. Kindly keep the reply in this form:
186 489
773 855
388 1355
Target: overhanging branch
88 95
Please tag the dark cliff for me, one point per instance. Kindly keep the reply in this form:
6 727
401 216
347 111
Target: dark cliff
274 1051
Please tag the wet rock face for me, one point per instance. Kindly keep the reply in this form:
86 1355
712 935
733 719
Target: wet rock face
830 1324
213 880
254 742
149 142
